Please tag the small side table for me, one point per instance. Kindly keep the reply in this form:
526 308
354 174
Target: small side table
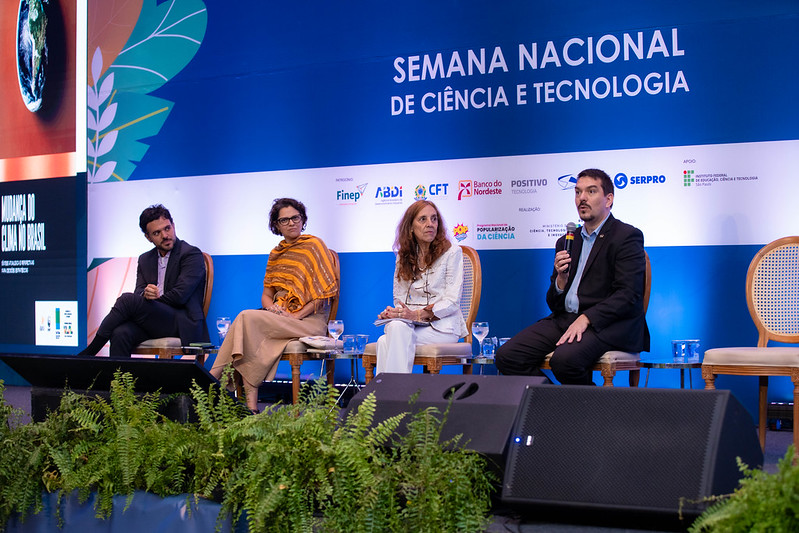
671 363
480 360
329 357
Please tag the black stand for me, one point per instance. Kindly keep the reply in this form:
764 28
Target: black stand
49 375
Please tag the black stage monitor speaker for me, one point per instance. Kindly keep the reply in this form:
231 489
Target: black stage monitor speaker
50 374
483 407
626 449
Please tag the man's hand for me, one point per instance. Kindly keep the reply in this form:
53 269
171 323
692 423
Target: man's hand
575 331
562 261
151 292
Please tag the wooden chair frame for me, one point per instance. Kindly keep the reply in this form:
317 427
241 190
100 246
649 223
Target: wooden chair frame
433 363
607 364
765 332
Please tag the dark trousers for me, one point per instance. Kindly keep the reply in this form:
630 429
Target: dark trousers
571 362
134 319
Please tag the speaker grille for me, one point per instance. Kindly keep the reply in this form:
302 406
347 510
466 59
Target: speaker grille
624 449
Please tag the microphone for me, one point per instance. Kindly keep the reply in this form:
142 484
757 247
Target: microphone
570 228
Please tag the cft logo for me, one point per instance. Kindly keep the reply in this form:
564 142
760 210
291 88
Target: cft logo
621 180
434 189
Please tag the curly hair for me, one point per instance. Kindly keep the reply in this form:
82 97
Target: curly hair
408 249
154 212
279 204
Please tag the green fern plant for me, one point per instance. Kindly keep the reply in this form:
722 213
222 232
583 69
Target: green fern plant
762 503
291 468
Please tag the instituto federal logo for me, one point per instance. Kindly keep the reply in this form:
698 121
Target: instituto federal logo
687 178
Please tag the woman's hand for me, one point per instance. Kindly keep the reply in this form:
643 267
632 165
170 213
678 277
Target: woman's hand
389 312
405 312
278 310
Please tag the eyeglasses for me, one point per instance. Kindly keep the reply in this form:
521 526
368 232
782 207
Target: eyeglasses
285 220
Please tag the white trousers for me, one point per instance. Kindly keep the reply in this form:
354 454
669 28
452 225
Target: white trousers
396 349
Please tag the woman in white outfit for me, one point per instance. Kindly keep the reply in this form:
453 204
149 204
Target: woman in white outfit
428 281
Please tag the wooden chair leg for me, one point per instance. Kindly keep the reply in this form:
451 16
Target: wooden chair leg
795 379
608 373
434 367
295 381
709 377
467 369
762 408
330 371
368 371
635 376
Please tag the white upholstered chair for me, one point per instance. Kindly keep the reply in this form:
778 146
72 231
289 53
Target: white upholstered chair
772 295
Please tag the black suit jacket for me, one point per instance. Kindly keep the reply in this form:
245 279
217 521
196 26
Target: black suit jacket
611 290
184 286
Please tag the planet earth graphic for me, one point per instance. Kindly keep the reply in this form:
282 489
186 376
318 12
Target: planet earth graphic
32 51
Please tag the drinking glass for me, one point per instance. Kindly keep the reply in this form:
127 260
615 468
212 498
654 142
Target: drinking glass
489 347
360 342
335 328
222 326
348 344
480 330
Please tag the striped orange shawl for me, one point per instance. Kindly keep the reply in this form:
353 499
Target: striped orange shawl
304 269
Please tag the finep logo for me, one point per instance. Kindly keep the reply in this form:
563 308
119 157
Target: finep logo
621 180
350 197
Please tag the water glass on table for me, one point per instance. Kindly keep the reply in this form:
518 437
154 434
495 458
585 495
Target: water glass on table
490 347
685 350
222 327
335 328
349 344
480 330
360 343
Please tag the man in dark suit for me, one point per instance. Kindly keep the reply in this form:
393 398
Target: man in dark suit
168 299
595 294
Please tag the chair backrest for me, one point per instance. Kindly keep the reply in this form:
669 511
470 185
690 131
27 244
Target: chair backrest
209 282
772 291
472 287
334 299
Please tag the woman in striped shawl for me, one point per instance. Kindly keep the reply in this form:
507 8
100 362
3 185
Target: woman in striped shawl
300 279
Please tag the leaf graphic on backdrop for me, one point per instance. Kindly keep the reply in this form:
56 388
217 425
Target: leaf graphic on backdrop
166 37
109 25
164 40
